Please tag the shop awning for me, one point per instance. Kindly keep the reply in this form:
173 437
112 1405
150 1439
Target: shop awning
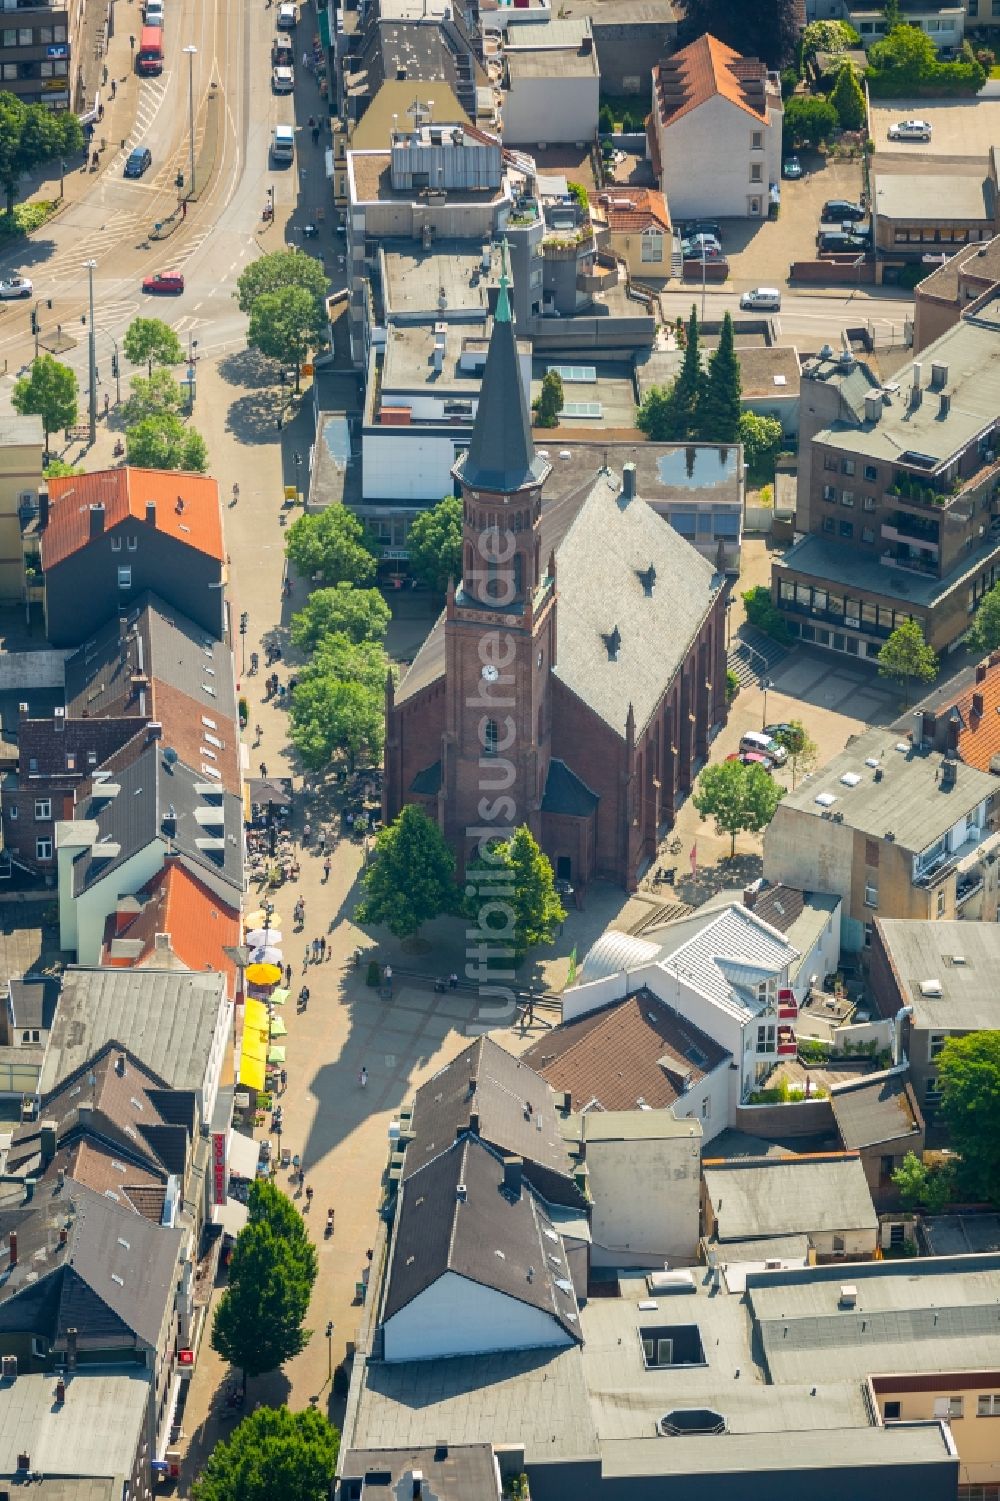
323 17
276 1054
244 1154
252 1071
253 1049
232 1216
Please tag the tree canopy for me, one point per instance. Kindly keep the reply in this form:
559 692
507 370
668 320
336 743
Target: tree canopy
803 752
164 442
149 342
152 396
922 1185
768 29
762 438
808 120
331 714
969 1081
718 416
434 543
280 269
672 414
330 546
30 135
550 400
286 324
49 391
907 658
412 877
360 614
829 36
738 797
272 1453
847 99
984 635
524 900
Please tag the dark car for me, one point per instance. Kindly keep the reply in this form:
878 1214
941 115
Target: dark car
838 243
138 160
695 227
839 210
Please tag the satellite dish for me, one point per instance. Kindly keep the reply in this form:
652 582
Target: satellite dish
169 755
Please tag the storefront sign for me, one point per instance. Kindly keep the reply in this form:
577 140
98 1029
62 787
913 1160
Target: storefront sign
219 1167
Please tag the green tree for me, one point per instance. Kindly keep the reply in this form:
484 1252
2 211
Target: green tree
149 342
762 439
847 99
656 415
892 11
808 120
761 612
738 797
923 1186
985 633
361 614
330 546
969 1079
274 272
907 657
828 36
605 120
803 752
49 391
30 135
57 469
687 390
362 662
434 543
412 878
163 442
258 1320
272 1453
532 909
285 325
768 29
152 397
718 415
907 52
550 400
331 714
267 1205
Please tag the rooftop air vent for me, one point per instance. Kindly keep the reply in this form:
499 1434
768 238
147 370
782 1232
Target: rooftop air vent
684 1422
930 987
848 1295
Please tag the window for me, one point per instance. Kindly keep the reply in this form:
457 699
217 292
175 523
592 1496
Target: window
43 849
871 473
940 901
756 140
868 935
652 249
70 761
133 544
867 534
847 529
491 737
839 1245
43 807
947 1407
871 896
932 1094
937 1042
755 205
12 812
38 1347
988 1406
868 502
706 1108
829 461
847 466
124 578
847 497
828 524
829 492
10 70
891 1412
116 544
24 37
871 852
91 758
755 172
765 1039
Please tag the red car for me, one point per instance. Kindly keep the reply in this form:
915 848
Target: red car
752 758
164 281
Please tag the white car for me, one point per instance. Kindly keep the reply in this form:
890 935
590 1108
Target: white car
762 297
288 17
153 14
910 130
282 80
16 286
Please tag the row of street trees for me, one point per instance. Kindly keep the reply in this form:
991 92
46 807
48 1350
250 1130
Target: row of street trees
284 296
30 136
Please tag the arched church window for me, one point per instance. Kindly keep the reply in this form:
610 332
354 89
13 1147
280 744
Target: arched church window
491 738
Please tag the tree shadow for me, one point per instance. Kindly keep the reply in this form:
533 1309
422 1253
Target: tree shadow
248 368
253 418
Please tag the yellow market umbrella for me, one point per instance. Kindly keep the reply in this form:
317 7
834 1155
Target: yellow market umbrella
263 974
276 1055
278 997
278 1028
259 918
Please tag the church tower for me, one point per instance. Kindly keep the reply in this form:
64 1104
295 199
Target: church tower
500 633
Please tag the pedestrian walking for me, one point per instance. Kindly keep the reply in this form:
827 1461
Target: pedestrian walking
315 135
184 209
114 87
107 403
284 1080
263 771
309 1196
326 869
363 1077
322 948
453 981
321 842
259 729
236 491
288 975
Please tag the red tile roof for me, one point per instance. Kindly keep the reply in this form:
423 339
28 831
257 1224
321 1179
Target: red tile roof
634 209
187 508
705 70
979 708
200 926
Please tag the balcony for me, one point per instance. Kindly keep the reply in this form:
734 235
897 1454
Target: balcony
947 862
967 886
787 1045
911 533
909 564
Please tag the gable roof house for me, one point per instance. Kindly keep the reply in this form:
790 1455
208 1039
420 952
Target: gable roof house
174 921
715 132
107 536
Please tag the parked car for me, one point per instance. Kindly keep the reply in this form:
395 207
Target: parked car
768 298
761 742
152 14
752 758
695 227
288 17
283 144
282 52
910 130
835 242
282 80
791 167
841 210
696 250
138 160
15 286
774 730
164 281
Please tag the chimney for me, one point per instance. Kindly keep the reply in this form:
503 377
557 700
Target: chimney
60 1391
915 392
873 406
151 512
982 668
586 46
13 1248
418 1482
473 1082
474 1122
628 481
161 943
71 1349
120 1062
47 1136
978 704
954 726
97 519
512 1176
154 731
43 509
939 375
750 897
944 403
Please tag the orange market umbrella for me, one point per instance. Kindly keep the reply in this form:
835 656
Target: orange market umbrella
263 974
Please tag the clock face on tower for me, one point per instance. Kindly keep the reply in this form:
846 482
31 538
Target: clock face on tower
490 672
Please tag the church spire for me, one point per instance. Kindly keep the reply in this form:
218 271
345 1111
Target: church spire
501 457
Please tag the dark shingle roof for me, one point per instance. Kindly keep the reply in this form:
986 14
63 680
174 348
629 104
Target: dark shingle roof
501 455
565 793
875 1109
486 1236
516 1113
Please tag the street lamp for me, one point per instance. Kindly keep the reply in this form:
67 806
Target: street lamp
116 370
191 50
329 1351
765 683
62 179
89 267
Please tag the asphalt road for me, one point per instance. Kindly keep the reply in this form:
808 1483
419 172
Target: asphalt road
808 319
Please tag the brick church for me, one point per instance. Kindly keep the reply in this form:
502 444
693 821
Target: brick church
579 665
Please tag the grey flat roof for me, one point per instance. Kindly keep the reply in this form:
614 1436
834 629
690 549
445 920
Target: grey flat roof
95 1432
918 198
414 278
832 563
788 1196
166 1018
16 430
909 800
874 1109
914 1444
920 951
693 473
552 62
977 260
554 31
463 1472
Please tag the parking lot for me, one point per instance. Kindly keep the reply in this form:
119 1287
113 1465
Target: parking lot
961 127
760 254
